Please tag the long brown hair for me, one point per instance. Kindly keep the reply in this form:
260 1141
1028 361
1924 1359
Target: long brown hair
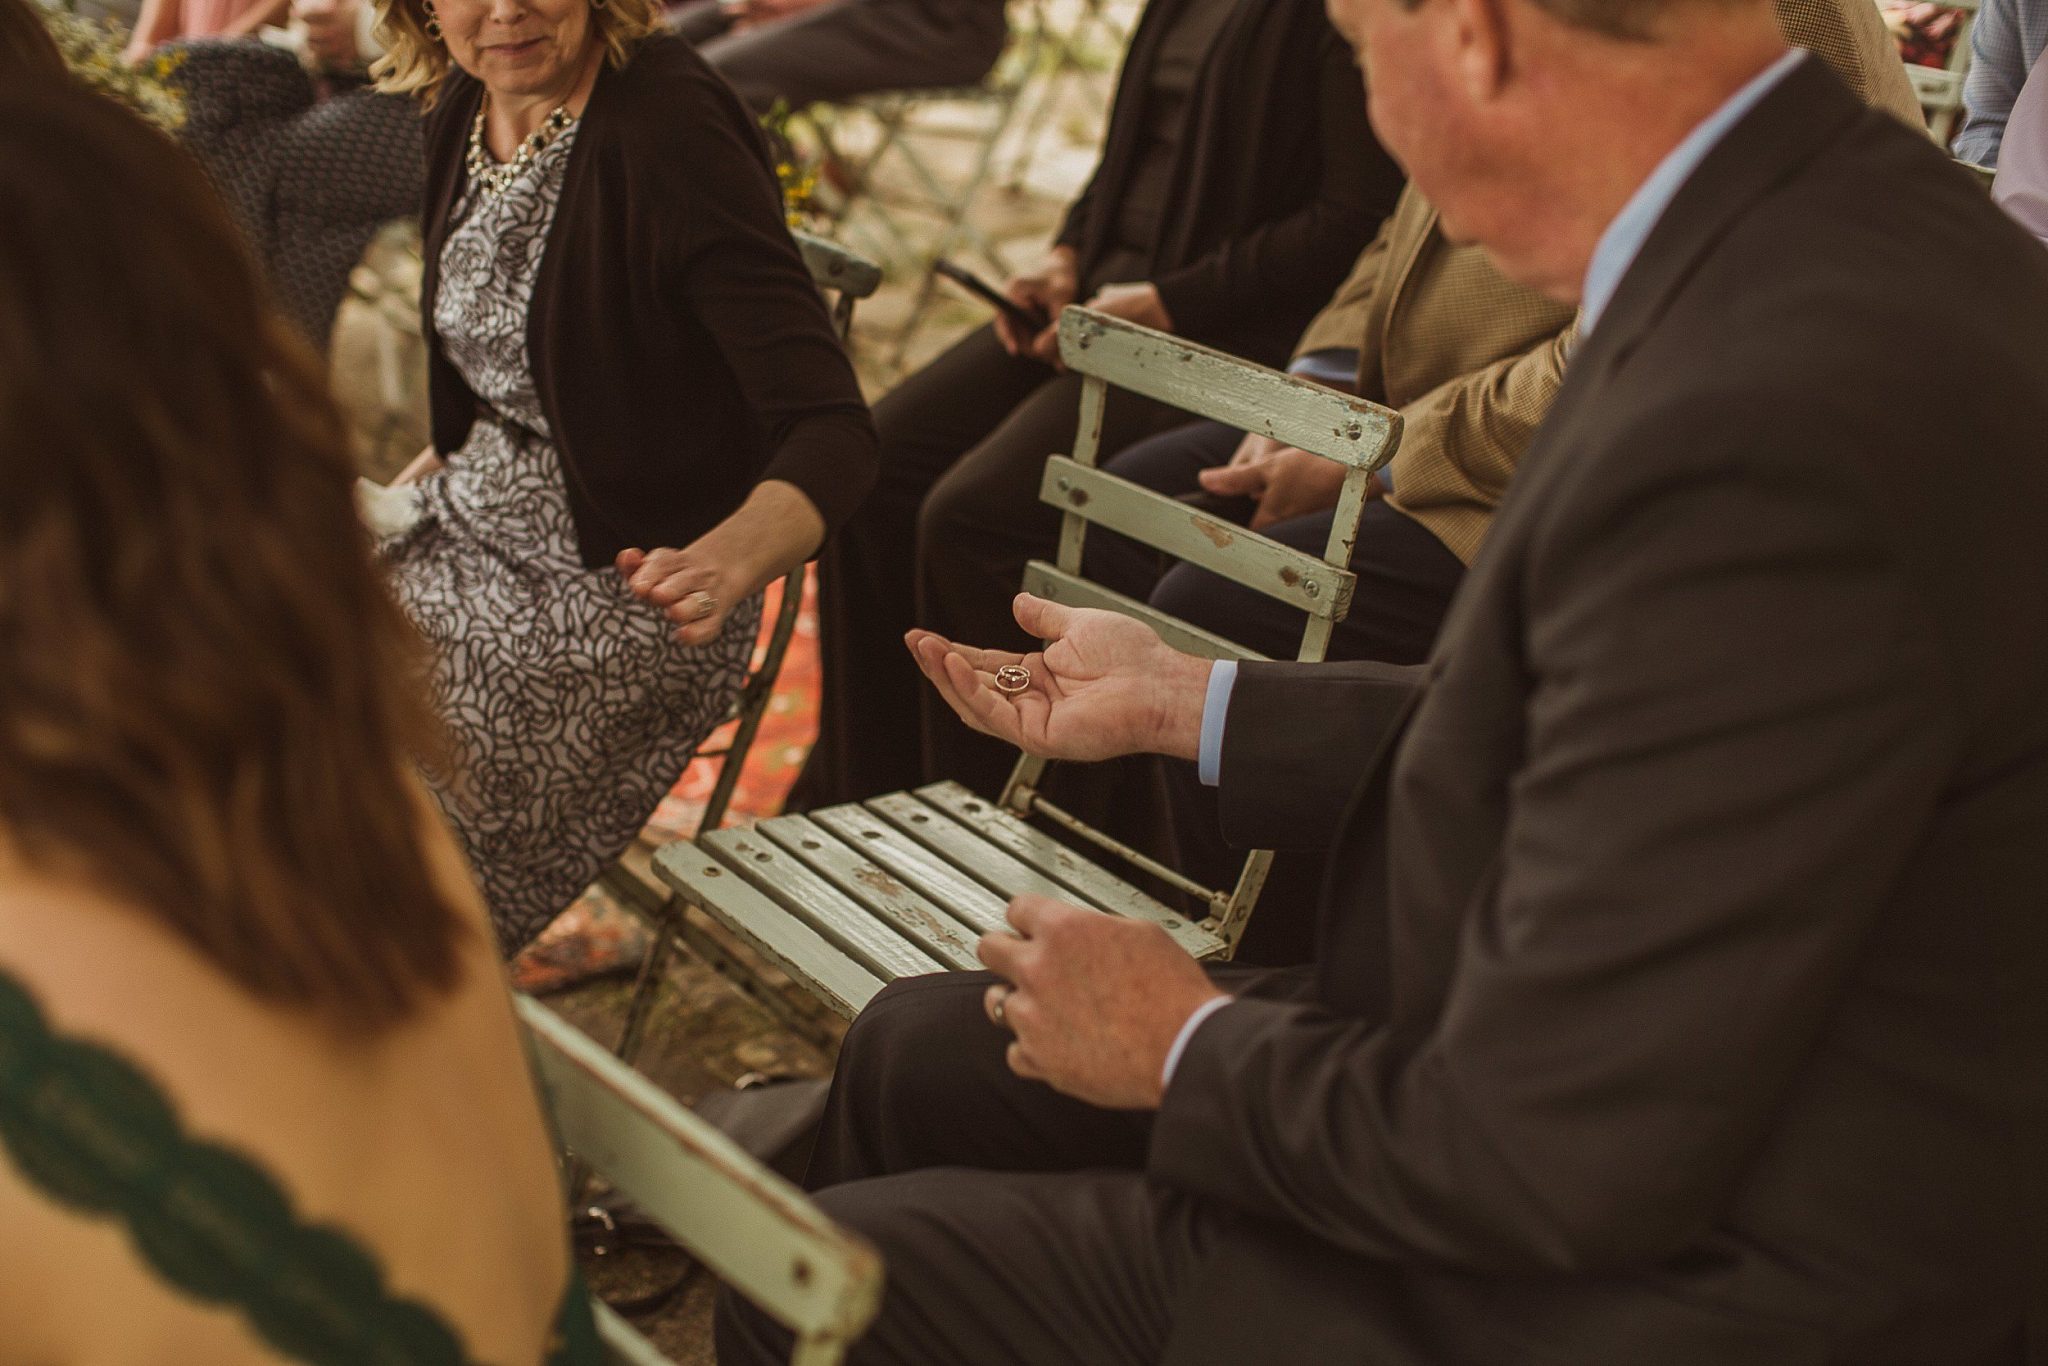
206 695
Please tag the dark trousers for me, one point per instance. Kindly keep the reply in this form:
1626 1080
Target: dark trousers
941 543
850 47
1406 578
1016 1225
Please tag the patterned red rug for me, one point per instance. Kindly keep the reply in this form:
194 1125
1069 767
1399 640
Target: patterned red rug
593 938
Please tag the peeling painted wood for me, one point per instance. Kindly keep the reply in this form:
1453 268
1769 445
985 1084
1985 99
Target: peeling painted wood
974 905
821 966
968 851
1071 590
1293 577
1228 389
1081 876
790 883
876 890
748 1226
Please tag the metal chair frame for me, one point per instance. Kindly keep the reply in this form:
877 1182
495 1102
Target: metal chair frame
850 277
849 898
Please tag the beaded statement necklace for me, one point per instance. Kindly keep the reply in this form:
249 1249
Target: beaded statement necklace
496 177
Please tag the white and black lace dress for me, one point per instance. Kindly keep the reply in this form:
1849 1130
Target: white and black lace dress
571 705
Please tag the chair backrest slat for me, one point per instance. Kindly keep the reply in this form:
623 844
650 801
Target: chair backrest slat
1054 584
838 267
1294 577
748 1226
1227 389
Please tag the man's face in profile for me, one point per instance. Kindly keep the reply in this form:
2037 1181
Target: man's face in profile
1422 115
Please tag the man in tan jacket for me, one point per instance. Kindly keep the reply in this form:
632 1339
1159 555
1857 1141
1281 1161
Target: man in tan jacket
1471 361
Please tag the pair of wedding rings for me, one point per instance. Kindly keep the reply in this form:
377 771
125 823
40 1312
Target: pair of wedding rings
1012 679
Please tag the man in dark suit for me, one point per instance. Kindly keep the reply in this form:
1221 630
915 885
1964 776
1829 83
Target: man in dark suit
1681 993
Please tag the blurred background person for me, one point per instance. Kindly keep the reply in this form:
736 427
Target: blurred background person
312 159
2021 187
641 417
2005 43
805 51
261 1090
165 21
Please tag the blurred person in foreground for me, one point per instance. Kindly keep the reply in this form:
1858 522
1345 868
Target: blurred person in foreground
641 418
262 1094
1681 981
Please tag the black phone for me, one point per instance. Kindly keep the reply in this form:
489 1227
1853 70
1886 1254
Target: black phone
1032 319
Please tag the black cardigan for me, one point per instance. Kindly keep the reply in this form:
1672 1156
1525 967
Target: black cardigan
680 350
1279 182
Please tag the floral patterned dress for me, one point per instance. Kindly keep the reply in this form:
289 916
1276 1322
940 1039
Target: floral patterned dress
571 705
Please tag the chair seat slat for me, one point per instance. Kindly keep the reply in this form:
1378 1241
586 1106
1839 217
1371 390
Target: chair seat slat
824 969
968 851
879 892
800 889
975 905
1080 875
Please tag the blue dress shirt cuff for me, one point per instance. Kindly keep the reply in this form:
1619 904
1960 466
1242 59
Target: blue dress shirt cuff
1336 366
1187 1032
1209 756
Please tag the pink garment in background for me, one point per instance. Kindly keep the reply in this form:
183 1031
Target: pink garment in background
205 18
2021 188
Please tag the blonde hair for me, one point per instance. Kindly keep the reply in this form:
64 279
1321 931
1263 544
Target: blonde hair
416 64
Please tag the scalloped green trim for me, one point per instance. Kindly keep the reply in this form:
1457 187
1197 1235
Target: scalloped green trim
89 1129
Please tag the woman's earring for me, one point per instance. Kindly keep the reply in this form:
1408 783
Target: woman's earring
433 24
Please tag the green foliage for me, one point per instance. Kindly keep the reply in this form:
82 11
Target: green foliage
93 52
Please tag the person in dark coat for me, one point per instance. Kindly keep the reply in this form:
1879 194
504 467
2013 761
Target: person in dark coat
803 52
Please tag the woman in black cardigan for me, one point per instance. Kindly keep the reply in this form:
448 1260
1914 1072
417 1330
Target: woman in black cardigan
1239 181
641 417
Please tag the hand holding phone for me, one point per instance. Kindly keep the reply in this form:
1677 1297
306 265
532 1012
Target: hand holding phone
1029 320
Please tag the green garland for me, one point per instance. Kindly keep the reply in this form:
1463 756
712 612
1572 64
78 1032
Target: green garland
93 52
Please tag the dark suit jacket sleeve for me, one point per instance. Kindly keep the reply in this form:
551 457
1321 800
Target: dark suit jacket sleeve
1300 258
1297 742
730 262
1694 855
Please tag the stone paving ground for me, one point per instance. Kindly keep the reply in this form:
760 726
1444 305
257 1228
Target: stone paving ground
704 1034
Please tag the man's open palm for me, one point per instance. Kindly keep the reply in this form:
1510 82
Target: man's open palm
1104 685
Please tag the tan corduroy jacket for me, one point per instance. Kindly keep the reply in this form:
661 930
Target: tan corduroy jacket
1473 361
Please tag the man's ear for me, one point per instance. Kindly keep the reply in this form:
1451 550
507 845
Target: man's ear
1482 31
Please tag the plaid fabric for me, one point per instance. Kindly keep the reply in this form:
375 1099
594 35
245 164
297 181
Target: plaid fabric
1474 361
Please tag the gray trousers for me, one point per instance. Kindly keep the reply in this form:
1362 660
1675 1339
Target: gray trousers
845 48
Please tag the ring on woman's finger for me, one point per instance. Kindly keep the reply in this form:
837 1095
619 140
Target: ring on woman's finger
999 998
703 605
